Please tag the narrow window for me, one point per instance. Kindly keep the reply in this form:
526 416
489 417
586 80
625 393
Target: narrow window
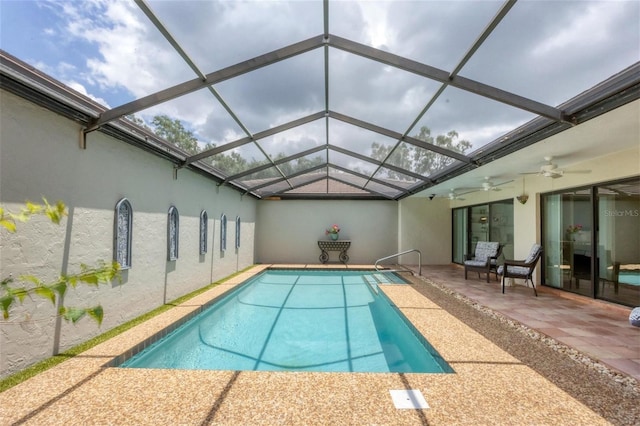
223 232
122 233
237 232
173 225
203 231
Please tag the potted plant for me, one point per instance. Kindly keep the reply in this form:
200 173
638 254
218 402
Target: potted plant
333 232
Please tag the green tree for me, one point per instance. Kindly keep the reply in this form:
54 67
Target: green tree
137 120
419 160
14 290
173 131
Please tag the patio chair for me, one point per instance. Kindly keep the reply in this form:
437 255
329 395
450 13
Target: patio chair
494 261
522 268
481 260
611 277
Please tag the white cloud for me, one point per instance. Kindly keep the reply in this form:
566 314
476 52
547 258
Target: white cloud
78 87
595 25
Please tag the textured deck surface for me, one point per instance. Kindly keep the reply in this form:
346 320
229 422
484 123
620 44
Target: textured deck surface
492 384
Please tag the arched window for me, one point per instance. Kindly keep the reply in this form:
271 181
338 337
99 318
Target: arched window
223 232
173 227
203 231
237 231
123 225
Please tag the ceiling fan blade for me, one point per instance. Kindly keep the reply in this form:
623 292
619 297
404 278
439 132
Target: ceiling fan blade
578 171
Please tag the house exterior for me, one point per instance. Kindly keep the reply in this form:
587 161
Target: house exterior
44 153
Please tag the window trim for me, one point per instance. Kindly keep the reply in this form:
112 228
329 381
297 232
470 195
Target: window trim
223 232
117 237
237 232
204 230
173 216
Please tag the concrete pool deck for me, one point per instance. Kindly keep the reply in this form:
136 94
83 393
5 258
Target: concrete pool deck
490 385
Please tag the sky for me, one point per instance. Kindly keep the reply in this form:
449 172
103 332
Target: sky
548 51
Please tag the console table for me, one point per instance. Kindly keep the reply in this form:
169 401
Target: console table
338 245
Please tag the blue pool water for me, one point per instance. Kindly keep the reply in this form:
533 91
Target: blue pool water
297 320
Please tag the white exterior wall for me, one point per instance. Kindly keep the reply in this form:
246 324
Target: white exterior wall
287 231
425 225
40 156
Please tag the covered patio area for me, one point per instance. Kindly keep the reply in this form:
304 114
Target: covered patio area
581 327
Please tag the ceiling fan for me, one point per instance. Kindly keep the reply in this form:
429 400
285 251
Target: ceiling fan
551 170
488 185
453 195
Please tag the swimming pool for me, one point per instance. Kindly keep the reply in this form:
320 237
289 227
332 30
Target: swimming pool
298 320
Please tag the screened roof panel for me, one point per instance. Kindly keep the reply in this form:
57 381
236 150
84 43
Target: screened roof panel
302 164
396 178
298 139
418 160
551 57
350 163
388 191
376 93
294 88
476 119
433 32
311 85
238 159
359 140
218 34
199 113
328 186
261 177
106 50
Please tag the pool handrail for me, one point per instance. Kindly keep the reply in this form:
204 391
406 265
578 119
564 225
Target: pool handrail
400 254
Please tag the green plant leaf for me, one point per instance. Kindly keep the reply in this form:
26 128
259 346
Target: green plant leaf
55 213
5 304
8 224
97 313
45 292
73 314
20 293
32 279
60 287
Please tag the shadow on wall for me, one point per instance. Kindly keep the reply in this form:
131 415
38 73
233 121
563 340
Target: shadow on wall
170 267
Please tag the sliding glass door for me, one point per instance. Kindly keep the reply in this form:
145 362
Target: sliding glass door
484 222
459 235
591 241
567 240
619 242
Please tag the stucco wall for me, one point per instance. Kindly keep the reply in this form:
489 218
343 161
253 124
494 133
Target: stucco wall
425 225
40 156
288 231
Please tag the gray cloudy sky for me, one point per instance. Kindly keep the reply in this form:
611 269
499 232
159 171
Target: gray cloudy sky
549 51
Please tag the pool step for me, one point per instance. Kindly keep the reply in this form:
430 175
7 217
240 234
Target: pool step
372 281
382 278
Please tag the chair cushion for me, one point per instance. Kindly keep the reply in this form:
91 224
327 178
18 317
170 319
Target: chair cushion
478 263
533 253
485 250
514 270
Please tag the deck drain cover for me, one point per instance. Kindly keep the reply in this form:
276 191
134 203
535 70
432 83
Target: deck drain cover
408 398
